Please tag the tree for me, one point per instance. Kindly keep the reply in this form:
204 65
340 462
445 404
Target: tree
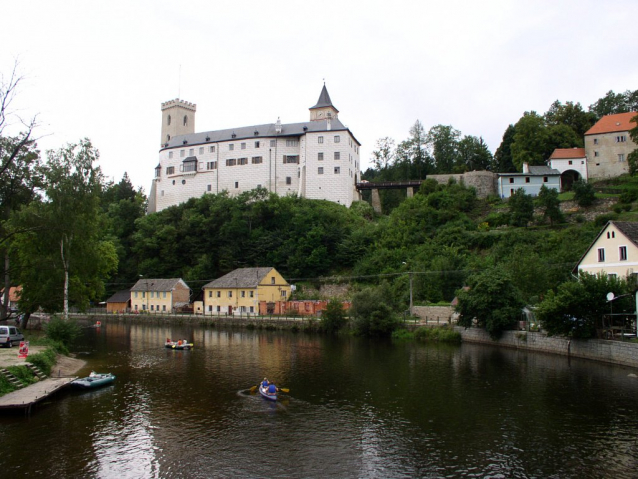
65 259
570 115
576 307
632 158
442 141
531 141
548 198
584 193
521 206
613 103
373 313
383 155
333 318
491 299
503 156
473 155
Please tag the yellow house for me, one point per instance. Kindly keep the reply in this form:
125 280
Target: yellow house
159 295
241 290
614 252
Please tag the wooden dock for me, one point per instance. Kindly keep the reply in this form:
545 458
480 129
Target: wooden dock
34 393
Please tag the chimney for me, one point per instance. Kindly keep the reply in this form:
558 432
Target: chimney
525 167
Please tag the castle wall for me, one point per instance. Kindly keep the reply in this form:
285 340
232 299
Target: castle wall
485 182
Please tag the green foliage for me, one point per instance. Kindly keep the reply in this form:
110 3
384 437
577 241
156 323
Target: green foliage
602 220
62 330
439 334
584 193
491 299
373 312
503 162
402 335
521 208
613 103
548 198
628 196
44 360
333 318
576 308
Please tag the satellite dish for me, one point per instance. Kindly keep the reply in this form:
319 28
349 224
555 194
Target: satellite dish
610 296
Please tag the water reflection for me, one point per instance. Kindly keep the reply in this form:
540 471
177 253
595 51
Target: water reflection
356 408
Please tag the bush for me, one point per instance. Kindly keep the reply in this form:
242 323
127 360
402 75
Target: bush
334 317
44 360
64 331
584 193
602 220
628 196
402 334
373 313
442 335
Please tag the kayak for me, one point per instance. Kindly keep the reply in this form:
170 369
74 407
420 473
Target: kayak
178 344
264 393
94 380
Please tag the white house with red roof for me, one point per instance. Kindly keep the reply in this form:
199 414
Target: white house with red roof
608 144
572 164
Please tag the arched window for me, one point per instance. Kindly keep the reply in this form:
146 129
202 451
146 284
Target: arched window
168 138
168 120
185 120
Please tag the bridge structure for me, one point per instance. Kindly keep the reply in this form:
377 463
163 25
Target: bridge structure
409 185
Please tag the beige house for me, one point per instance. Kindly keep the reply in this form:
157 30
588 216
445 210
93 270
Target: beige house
608 144
241 290
159 295
613 252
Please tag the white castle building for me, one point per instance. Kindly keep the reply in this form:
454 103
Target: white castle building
317 159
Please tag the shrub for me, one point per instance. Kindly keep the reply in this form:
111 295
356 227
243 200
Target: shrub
584 193
442 335
373 313
618 209
44 360
334 317
602 220
628 196
65 331
402 334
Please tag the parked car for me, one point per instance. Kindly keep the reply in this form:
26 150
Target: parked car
10 336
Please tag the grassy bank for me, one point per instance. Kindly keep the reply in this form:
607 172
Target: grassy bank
441 334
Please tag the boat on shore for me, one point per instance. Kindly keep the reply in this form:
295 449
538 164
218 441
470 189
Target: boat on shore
94 380
181 344
264 393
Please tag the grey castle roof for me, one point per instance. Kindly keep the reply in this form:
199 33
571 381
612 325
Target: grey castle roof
324 100
240 278
120 296
151 284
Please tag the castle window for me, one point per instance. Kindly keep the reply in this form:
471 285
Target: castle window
212 149
256 160
168 138
320 156
189 165
288 180
231 147
292 142
242 161
337 155
185 120
201 150
621 157
231 162
243 146
182 153
170 170
320 139
273 143
173 181
337 170
256 144
236 184
320 170
621 139
211 165
337 138
168 120
291 159
595 153
170 155
183 182
191 152
595 141
158 172
209 188
162 193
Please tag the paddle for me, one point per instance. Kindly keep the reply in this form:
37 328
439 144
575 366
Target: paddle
253 389
285 390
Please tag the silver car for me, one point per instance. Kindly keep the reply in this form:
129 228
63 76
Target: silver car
10 336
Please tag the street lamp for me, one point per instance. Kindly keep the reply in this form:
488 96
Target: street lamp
410 275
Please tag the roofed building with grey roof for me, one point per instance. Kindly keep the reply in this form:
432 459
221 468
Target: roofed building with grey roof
159 295
317 159
531 180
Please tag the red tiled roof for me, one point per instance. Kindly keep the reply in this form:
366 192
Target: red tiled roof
612 123
567 153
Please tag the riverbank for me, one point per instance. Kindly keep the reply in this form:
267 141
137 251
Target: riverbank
64 366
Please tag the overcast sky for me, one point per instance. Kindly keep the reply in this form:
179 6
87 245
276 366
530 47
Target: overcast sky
101 69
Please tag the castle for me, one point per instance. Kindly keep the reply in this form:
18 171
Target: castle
317 159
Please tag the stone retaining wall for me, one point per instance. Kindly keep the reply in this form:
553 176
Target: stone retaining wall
433 313
616 352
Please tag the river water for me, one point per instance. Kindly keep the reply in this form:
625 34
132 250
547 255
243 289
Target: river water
356 408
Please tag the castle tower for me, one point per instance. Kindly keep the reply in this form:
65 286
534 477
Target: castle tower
178 118
324 109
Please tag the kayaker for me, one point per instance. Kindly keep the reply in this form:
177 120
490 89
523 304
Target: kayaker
265 383
272 389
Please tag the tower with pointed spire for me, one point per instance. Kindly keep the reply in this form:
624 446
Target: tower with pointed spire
324 109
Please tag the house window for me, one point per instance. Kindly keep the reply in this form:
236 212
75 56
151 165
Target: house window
256 144
601 255
337 155
242 161
212 149
569 162
163 307
230 294
210 294
219 309
320 139
320 170
273 143
201 150
182 153
211 165
219 294
511 180
136 294
252 309
170 170
231 147
337 170
272 280
255 160
527 179
252 294
288 180
236 184
612 275
621 139
595 153
621 157
320 156
595 141
545 179
283 293
170 155
622 252
209 187
291 159
243 146
164 295
337 138
243 294
151 307
231 161
292 142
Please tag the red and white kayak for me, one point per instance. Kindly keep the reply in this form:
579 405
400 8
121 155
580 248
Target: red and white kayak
264 392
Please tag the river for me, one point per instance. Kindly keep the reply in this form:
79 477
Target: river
356 408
